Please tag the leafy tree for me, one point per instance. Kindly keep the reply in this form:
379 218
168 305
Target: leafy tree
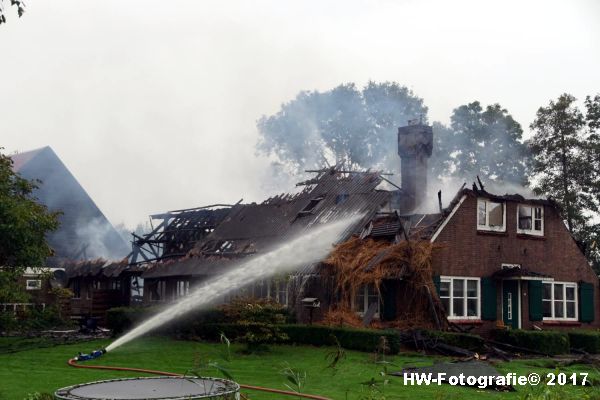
592 146
23 226
345 126
17 3
485 142
559 164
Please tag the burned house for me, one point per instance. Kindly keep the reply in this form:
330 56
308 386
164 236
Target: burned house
99 285
482 262
83 242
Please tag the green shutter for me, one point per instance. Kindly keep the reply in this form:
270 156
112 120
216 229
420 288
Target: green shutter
488 299
536 309
437 281
586 302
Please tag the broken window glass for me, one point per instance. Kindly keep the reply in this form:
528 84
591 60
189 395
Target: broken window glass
310 206
496 214
490 215
481 215
525 218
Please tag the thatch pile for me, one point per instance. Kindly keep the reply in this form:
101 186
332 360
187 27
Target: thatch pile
359 262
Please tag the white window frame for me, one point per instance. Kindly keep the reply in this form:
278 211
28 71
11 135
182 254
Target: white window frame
450 297
37 285
487 226
281 286
361 309
531 231
182 288
564 301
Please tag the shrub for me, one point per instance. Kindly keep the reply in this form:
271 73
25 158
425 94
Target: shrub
120 319
463 340
8 322
349 338
317 335
585 340
546 342
259 319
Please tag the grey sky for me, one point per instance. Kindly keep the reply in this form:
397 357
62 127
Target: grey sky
152 105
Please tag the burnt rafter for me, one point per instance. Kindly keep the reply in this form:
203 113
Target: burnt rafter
176 232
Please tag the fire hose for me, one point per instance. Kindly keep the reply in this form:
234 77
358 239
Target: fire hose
73 363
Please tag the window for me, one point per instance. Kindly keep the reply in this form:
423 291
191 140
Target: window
182 289
281 292
260 289
310 206
33 284
366 296
115 284
76 288
158 291
530 219
460 297
490 215
560 301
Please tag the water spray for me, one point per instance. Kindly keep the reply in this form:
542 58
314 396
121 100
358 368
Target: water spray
308 248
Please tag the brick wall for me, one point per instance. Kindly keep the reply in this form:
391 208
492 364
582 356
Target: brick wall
462 250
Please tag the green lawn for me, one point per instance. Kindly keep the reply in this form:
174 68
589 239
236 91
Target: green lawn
45 369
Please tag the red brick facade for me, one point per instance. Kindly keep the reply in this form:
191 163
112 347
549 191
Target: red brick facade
463 250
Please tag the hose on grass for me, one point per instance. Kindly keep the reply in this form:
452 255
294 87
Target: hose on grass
73 363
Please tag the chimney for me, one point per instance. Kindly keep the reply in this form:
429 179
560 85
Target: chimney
415 143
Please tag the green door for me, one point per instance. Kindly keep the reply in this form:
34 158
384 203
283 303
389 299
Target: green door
510 303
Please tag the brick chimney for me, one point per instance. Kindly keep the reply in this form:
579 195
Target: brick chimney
415 143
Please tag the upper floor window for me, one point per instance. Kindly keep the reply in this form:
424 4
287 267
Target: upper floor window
460 296
491 215
530 219
560 301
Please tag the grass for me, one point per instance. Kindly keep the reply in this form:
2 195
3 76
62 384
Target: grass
45 370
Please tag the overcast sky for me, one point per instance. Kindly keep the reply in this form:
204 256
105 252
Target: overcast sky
152 105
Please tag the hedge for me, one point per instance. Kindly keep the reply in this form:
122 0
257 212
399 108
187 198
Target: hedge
120 319
546 342
463 340
349 338
367 340
585 340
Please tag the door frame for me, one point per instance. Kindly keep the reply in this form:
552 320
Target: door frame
520 298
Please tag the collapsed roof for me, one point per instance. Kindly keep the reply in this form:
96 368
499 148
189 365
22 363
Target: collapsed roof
250 229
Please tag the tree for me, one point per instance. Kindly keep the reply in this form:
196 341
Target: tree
592 146
17 3
481 142
345 125
559 162
23 227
